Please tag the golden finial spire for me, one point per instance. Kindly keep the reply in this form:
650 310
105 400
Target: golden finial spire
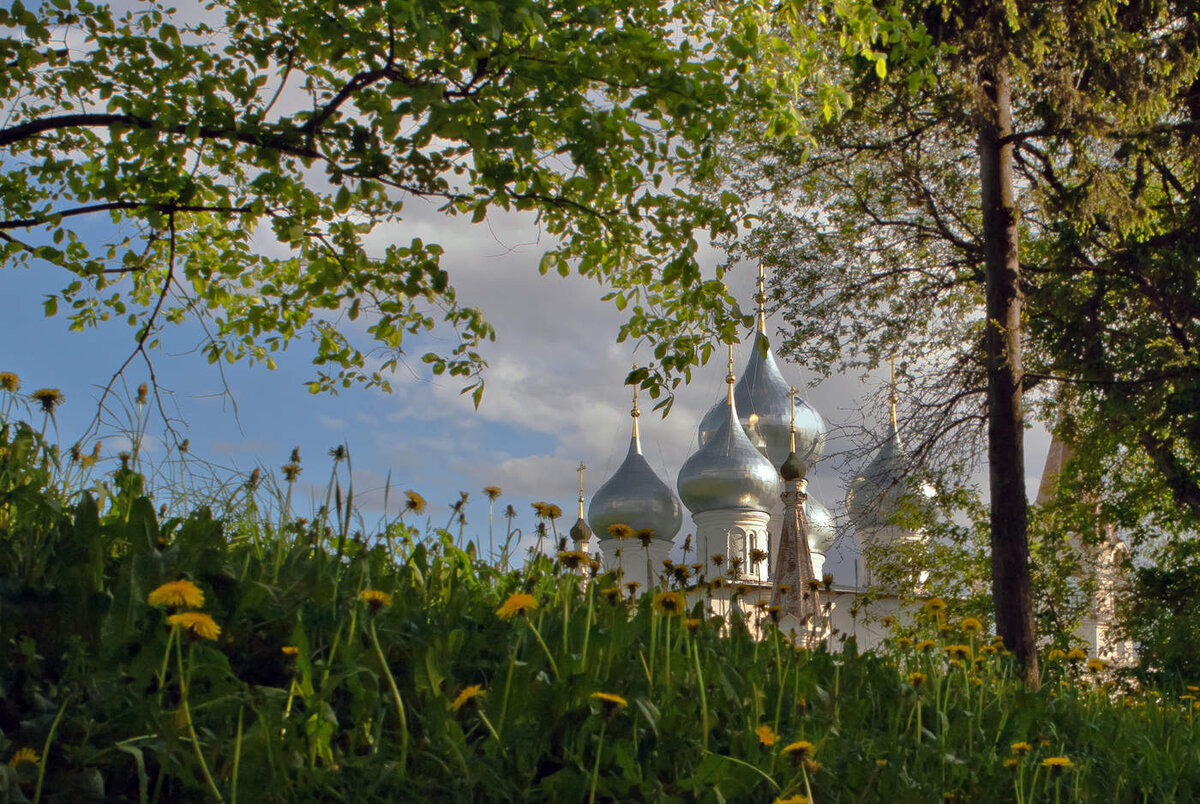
582 466
729 378
892 397
760 298
792 394
635 413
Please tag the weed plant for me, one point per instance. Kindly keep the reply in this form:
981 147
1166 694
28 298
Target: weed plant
147 658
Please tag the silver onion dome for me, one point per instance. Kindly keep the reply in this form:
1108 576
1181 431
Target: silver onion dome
822 531
764 407
580 532
635 496
728 472
874 496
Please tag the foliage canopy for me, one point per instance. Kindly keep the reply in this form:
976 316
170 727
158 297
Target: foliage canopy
246 165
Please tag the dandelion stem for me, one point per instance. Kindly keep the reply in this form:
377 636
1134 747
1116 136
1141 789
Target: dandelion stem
512 663
542 642
488 723
703 696
387 672
596 765
667 651
187 716
162 672
37 792
587 630
237 758
653 644
807 788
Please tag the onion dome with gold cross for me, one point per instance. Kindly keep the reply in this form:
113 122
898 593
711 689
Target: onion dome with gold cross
875 494
580 532
728 472
635 496
764 406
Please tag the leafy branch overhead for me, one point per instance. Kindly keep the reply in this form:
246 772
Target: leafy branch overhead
281 143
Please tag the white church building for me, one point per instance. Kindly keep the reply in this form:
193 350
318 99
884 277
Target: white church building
760 540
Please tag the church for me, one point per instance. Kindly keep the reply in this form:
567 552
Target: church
760 541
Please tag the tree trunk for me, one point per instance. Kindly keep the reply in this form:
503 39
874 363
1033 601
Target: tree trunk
1011 589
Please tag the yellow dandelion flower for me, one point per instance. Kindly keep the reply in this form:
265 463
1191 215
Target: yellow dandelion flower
1187 697
197 622
796 799
414 502
1193 688
24 756
517 603
48 398
987 650
800 750
375 598
1057 764
1021 749
1096 665
887 622
669 603
971 625
1076 655
492 492
692 624
290 650
545 510
935 606
9 382
766 736
468 694
926 645
881 763
572 559
610 702
1011 762
620 531
1196 704
958 652
917 679
813 584
177 593
903 642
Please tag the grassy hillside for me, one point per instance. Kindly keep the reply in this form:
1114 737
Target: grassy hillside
148 658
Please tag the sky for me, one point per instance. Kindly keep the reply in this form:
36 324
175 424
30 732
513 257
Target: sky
555 394
554 397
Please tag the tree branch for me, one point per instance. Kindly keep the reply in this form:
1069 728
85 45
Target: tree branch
24 223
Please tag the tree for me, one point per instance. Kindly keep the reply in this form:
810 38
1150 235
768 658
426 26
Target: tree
230 169
897 231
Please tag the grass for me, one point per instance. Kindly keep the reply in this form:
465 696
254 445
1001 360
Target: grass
403 668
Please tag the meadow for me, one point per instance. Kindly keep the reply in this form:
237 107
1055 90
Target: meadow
151 657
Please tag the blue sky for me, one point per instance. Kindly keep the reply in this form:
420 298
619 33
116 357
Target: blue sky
554 395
